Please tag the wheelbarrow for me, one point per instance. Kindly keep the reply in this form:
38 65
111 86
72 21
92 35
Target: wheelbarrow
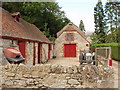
13 56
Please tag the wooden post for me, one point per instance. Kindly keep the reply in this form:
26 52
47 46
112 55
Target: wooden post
104 60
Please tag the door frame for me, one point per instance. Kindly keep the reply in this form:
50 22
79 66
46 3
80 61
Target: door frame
23 48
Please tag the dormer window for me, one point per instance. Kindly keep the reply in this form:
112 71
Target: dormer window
70 37
16 16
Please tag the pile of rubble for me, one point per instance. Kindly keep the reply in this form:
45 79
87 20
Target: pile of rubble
57 76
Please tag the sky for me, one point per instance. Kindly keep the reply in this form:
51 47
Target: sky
77 10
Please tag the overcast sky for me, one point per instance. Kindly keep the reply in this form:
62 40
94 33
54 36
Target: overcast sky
77 10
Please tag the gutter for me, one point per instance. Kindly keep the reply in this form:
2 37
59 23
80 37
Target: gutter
22 39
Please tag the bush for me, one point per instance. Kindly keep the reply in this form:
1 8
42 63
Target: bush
115 49
115 53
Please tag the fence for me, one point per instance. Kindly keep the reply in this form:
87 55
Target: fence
103 55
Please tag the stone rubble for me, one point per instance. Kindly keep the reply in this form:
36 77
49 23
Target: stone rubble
56 76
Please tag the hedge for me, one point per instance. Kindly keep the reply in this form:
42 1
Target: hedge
116 53
115 49
106 45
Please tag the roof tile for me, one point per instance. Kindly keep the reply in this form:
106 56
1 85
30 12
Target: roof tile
21 29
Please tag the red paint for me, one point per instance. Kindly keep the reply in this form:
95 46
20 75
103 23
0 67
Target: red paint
70 50
11 52
34 52
22 47
39 52
21 39
87 44
110 62
49 49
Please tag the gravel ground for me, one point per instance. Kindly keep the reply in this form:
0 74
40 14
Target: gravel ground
64 61
116 67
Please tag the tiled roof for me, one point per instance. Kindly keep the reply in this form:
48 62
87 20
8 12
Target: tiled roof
71 27
21 29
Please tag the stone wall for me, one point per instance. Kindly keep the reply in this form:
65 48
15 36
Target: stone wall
51 51
29 53
78 39
44 53
6 43
1 50
56 76
36 53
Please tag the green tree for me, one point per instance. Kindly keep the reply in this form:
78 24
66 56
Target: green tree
81 26
112 11
100 24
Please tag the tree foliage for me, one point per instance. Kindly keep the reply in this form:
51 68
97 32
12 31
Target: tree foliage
47 16
107 22
81 26
112 11
100 24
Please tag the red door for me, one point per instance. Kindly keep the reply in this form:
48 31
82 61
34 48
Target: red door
70 50
21 45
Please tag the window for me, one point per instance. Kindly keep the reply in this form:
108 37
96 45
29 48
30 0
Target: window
70 37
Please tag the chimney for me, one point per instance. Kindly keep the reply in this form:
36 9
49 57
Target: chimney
16 16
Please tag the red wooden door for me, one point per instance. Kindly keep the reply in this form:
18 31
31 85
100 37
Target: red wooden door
70 50
22 47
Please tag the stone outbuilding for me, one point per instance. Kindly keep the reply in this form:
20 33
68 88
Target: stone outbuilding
70 41
17 33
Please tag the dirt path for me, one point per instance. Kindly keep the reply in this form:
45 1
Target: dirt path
116 67
64 61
